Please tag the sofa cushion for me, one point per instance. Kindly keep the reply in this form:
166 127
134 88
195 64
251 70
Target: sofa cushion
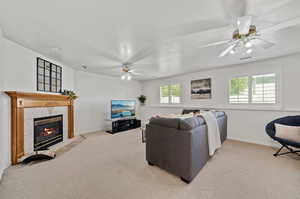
188 111
166 122
190 123
183 122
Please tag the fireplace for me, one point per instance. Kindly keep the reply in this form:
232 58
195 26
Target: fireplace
47 132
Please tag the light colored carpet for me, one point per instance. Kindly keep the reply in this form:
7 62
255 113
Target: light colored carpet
114 167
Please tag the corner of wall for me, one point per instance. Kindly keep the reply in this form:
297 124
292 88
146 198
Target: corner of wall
3 160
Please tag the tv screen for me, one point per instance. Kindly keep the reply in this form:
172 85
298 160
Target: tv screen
122 108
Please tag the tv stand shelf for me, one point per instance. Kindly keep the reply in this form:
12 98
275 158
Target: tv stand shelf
124 125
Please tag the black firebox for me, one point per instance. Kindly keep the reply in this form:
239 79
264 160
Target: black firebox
47 132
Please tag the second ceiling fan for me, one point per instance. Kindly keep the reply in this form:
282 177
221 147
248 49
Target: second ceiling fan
243 39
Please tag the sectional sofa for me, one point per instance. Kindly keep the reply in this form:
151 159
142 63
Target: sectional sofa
180 146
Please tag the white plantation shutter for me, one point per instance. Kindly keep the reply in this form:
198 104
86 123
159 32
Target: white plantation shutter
264 89
170 94
256 89
175 93
239 90
164 94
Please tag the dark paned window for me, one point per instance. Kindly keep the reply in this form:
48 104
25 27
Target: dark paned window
49 76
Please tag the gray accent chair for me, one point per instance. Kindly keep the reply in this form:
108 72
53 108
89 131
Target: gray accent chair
180 146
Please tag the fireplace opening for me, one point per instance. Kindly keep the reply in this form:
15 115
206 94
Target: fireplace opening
47 132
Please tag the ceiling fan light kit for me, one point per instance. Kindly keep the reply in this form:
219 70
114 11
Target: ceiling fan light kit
126 76
248 44
249 51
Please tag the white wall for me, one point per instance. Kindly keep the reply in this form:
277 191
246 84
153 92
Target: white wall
18 72
20 68
2 135
95 93
246 122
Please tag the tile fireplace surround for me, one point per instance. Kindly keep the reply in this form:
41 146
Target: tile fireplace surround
33 113
26 106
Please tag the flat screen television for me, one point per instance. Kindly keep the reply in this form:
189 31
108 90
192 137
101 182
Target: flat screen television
122 108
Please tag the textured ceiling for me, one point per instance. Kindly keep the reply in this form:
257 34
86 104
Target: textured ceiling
161 38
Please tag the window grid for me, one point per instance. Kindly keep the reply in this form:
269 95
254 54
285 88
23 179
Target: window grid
49 76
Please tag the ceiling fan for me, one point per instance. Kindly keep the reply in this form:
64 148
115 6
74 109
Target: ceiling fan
128 72
127 67
244 38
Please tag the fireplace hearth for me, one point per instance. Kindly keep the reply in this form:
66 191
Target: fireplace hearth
47 132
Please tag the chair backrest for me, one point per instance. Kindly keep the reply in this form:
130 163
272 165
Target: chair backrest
187 111
289 120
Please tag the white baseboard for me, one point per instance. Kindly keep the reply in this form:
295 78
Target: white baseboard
270 144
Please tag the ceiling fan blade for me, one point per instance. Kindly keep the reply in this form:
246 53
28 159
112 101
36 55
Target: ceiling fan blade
227 50
140 65
104 67
235 8
142 54
267 7
264 43
282 25
135 73
145 75
243 24
239 8
110 56
215 44
196 27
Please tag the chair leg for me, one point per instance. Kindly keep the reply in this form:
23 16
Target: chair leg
292 150
277 153
288 148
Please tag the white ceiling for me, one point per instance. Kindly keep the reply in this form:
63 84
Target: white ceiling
163 37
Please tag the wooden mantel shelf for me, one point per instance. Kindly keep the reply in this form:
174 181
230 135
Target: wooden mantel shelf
21 100
36 95
30 100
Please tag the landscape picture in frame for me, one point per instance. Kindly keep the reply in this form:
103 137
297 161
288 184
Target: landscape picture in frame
201 89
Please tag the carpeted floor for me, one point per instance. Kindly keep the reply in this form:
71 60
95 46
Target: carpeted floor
113 167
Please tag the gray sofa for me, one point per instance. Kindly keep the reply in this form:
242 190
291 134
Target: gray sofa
180 146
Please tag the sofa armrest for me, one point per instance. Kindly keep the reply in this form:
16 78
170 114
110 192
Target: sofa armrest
180 152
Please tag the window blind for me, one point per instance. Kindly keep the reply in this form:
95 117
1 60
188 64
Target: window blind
239 89
264 89
170 94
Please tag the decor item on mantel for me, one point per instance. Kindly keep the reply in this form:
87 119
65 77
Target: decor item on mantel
142 99
201 89
71 94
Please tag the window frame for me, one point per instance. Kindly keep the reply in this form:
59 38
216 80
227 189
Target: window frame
169 93
57 78
249 88
276 90
250 85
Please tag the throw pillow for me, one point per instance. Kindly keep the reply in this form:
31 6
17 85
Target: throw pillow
286 132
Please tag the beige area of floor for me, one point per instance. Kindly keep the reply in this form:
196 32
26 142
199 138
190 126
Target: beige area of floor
105 166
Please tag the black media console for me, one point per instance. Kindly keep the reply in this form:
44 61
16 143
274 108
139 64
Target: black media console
123 125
